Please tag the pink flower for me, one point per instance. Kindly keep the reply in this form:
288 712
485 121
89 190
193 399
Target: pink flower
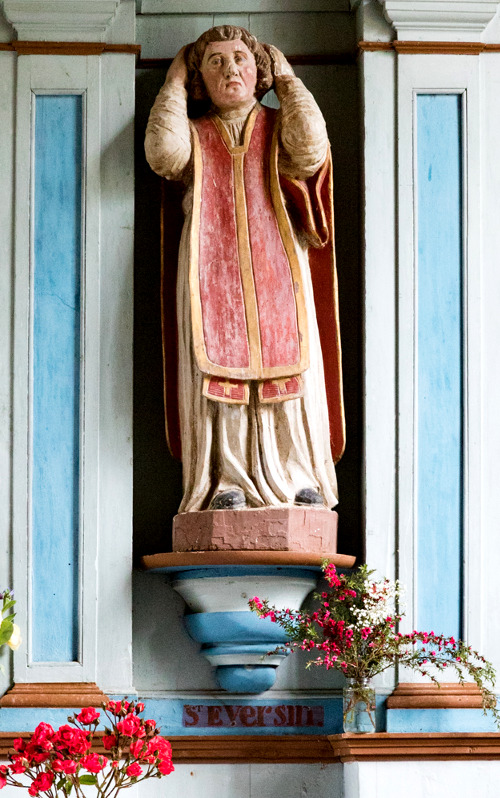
165 766
74 740
42 783
19 764
129 726
93 763
67 766
88 715
139 707
3 775
137 748
43 736
109 741
134 770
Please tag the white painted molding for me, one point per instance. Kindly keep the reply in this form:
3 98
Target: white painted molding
60 20
439 20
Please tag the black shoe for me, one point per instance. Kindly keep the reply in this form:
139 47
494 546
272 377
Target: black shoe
233 499
309 497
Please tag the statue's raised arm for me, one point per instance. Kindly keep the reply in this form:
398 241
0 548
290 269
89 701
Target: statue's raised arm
259 386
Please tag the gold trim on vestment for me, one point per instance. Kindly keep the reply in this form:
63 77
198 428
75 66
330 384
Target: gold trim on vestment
290 245
245 263
194 257
227 400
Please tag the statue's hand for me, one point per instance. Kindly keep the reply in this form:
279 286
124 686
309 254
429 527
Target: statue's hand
177 72
279 64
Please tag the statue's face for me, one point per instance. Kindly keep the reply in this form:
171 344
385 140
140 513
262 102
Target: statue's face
229 73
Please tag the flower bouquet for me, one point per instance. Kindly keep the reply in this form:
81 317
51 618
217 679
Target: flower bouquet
354 630
58 762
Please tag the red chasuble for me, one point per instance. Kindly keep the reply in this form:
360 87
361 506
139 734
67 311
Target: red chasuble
249 317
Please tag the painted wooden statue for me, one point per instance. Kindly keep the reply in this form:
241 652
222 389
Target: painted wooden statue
259 387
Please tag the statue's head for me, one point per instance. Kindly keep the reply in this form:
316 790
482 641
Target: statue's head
237 49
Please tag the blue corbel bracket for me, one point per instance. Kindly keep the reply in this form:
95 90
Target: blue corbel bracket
217 586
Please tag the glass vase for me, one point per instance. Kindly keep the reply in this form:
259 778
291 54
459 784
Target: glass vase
359 707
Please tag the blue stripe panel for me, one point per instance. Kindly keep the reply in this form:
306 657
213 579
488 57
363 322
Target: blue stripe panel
439 362
56 378
174 715
439 720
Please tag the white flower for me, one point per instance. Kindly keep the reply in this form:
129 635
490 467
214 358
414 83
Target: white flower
378 604
15 638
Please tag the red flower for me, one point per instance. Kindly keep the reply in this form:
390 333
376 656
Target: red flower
67 766
139 707
88 715
19 744
165 767
42 737
129 726
134 770
137 748
109 741
42 783
3 775
74 740
19 764
93 763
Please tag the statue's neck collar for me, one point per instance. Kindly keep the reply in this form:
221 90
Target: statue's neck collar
235 114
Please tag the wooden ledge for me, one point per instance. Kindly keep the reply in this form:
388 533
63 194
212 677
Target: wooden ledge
428 48
203 558
449 695
68 48
230 750
55 694
424 746
305 748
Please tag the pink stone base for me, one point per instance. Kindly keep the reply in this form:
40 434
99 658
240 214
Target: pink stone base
300 529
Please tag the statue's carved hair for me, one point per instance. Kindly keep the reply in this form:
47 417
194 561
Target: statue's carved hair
223 33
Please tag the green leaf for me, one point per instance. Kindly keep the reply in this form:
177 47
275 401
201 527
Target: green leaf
68 787
87 779
6 629
8 605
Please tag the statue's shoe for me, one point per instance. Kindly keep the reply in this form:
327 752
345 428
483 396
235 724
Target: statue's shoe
310 497
233 499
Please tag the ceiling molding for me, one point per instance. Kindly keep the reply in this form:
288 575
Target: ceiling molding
60 20
426 20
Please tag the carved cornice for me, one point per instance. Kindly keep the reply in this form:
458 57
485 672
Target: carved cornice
407 747
462 20
55 694
408 695
60 20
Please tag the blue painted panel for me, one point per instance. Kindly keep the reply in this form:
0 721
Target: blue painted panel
174 715
439 362
56 378
181 717
439 720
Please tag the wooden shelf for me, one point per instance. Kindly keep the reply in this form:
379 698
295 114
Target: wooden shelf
304 748
204 558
